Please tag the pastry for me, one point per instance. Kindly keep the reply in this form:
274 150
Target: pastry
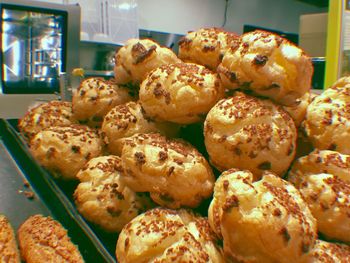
102 196
323 179
95 97
64 150
47 114
181 93
250 133
269 66
8 246
42 239
327 121
206 46
164 235
137 57
326 252
172 171
126 120
262 221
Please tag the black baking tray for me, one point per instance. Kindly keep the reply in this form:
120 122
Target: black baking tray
20 174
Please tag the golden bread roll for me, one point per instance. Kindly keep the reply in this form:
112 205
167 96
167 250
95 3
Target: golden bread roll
137 57
250 133
102 196
53 113
164 235
42 239
8 247
262 221
206 46
128 119
327 121
325 252
323 179
181 93
268 65
95 97
64 150
173 171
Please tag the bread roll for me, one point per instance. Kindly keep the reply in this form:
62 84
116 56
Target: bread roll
8 247
47 114
163 235
42 239
268 65
95 97
172 171
138 57
263 221
250 133
327 121
206 46
323 179
65 150
102 196
181 93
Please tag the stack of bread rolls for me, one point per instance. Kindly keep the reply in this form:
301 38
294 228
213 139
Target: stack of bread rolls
268 197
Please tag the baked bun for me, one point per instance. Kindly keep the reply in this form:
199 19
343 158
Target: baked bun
8 247
95 97
206 46
325 252
48 114
173 171
262 221
102 196
181 93
323 179
250 133
64 150
298 110
327 121
42 239
137 57
164 235
268 65
128 119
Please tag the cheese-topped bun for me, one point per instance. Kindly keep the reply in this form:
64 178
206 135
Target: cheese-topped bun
102 196
298 110
164 235
262 221
64 150
8 246
323 179
181 93
327 121
128 119
173 171
137 57
268 65
250 133
47 114
206 46
95 97
43 239
326 252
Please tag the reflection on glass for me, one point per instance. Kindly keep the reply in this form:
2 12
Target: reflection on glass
32 49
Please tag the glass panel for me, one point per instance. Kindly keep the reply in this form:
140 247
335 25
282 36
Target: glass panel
32 50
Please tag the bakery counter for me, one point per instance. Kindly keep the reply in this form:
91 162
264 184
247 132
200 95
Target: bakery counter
27 189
